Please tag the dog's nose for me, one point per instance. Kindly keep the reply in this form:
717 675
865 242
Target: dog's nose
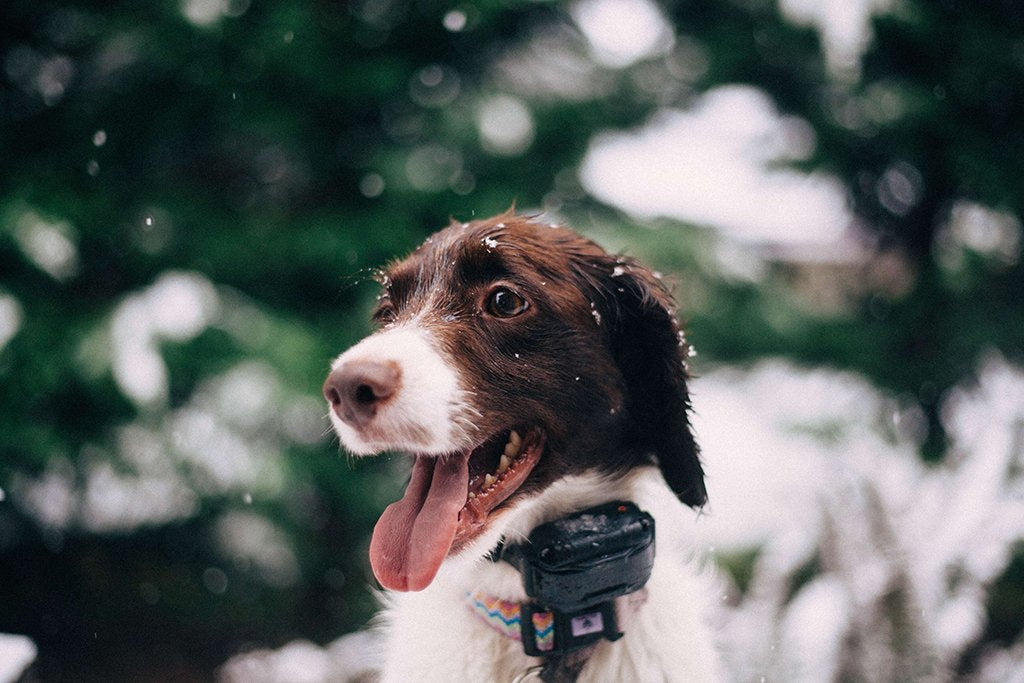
357 388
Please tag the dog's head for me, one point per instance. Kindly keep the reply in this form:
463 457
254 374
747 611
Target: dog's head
510 354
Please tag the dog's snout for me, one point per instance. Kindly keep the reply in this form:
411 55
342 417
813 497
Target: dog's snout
357 388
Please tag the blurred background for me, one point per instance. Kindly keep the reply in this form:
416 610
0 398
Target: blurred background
194 195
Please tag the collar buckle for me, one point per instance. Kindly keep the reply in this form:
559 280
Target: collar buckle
546 632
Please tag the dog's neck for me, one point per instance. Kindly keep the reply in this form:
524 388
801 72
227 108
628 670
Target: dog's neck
581 492
671 597
474 570
565 640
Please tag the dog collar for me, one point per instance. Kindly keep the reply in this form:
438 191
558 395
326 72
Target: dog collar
573 569
542 631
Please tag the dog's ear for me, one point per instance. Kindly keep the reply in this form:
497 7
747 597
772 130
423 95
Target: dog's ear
650 350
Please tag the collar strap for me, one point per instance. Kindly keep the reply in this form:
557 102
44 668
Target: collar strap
544 631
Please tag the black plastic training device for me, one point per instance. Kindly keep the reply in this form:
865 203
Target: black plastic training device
575 567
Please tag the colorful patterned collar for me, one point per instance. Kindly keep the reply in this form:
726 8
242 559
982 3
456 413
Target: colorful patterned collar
542 631
506 617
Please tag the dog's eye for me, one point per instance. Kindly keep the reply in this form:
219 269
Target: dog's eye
505 303
385 312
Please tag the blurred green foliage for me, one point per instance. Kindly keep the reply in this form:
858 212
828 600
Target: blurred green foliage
284 150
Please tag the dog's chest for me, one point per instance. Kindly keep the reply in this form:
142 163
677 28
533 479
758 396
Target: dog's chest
435 635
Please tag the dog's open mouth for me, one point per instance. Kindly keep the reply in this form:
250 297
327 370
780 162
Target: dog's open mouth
446 505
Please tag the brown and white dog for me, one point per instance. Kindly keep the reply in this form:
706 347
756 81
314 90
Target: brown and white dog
529 375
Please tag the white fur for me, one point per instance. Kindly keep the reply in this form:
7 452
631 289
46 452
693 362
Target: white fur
433 636
429 414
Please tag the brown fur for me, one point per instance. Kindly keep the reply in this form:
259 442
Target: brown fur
597 360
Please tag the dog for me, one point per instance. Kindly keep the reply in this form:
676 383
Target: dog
530 375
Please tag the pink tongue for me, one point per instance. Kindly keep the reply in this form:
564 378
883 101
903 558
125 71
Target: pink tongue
412 537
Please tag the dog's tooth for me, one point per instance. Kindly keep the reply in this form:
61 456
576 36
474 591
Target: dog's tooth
515 440
503 463
472 495
489 480
511 450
